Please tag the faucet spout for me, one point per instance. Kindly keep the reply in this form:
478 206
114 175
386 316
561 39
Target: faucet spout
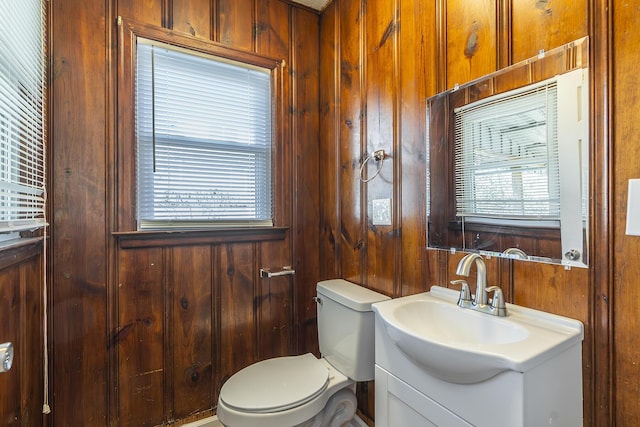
464 267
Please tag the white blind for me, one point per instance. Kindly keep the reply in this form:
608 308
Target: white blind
506 156
203 140
22 115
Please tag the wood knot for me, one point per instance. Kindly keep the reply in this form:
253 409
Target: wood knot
473 42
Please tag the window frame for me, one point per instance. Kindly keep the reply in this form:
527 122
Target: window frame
23 129
128 34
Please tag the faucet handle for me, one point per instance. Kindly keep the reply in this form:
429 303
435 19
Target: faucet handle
497 303
465 293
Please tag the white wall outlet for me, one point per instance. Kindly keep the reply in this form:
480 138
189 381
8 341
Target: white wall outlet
381 209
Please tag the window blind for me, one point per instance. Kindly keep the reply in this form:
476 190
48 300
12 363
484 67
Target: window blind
506 156
22 115
203 140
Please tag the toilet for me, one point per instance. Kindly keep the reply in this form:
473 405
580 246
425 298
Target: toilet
304 391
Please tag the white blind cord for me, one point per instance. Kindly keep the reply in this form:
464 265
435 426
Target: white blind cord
46 409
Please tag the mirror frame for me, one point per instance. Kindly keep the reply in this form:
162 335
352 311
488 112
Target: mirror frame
444 230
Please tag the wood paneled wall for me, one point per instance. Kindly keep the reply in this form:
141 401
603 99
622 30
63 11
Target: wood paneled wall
145 329
380 60
21 314
202 305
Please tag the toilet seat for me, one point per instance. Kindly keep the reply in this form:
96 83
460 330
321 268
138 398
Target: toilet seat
276 385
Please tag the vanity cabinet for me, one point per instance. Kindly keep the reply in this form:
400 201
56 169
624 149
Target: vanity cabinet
407 395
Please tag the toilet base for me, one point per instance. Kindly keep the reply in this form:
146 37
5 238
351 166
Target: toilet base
213 422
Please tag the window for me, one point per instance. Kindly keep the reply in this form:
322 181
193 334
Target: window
22 117
203 139
508 162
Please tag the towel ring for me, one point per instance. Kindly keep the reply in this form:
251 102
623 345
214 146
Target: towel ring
378 156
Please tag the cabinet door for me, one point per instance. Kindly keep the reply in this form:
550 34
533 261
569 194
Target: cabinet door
400 405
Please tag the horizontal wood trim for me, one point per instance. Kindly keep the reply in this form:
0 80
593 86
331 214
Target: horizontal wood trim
19 251
148 239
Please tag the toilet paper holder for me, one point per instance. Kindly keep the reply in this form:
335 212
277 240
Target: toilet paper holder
285 271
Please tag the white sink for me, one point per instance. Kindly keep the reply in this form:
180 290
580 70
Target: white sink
463 346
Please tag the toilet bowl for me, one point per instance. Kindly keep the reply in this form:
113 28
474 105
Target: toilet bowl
304 391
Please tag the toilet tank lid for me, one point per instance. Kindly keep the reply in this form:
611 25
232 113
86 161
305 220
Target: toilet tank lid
349 294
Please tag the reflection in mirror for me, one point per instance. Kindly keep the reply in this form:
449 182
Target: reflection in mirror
508 161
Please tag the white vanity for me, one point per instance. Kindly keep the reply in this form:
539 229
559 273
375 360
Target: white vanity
438 364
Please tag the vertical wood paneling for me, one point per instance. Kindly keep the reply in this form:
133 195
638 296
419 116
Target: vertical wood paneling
330 246
77 196
193 17
382 26
192 336
415 64
545 25
351 231
201 321
139 337
147 11
471 40
10 307
307 166
236 23
274 303
626 155
21 311
469 47
236 280
31 330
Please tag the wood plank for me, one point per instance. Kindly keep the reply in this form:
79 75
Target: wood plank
330 246
416 56
11 410
78 196
236 23
306 169
235 280
139 337
626 152
382 241
471 40
545 25
190 282
274 303
148 11
350 229
193 17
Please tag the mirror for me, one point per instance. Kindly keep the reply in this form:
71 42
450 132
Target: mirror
508 158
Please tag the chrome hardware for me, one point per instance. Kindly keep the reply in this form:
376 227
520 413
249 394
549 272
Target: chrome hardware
286 271
515 253
464 300
497 306
572 255
464 267
6 356
479 303
318 300
378 156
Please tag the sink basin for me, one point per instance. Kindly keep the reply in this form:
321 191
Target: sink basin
463 346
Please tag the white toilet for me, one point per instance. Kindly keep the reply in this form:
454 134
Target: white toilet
303 390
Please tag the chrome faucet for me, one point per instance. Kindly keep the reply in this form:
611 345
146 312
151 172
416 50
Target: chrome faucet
479 303
464 267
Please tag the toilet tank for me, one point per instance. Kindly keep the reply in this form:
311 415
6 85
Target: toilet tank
346 327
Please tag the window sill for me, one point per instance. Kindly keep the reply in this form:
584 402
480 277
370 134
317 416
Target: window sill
145 239
16 251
